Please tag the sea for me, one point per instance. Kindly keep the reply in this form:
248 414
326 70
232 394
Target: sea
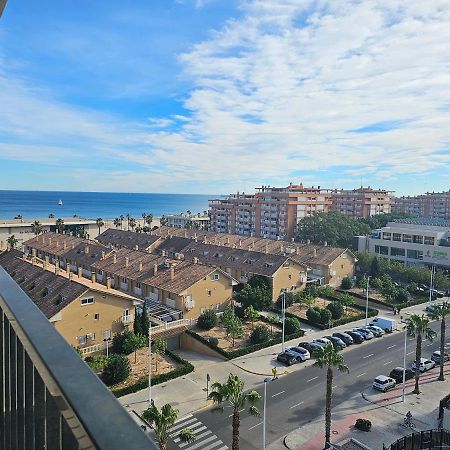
91 205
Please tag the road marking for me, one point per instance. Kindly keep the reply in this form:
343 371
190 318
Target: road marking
386 363
367 356
183 418
392 346
298 404
180 425
315 378
196 436
254 426
279 393
192 426
429 345
410 353
200 444
360 375
411 339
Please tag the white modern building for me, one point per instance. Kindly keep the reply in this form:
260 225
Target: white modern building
412 241
188 220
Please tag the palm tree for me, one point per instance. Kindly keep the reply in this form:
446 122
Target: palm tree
149 219
99 223
132 223
36 228
121 221
128 221
60 225
232 392
163 221
440 313
329 358
12 242
117 222
418 326
161 421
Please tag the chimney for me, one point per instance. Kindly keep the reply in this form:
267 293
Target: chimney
249 247
93 277
103 255
172 273
195 239
49 240
155 269
325 243
80 272
315 252
297 250
86 249
195 235
64 245
127 261
108 283
141 266
240 243
57 244
267 248
227 240
67 267
114 258
73 245
194 260
136 247
308 241
33 252
70 275
47 259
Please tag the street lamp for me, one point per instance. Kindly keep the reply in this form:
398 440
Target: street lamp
404 363
149 364
266 380
367 299
433 268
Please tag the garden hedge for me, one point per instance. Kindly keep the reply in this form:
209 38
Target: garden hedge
185 368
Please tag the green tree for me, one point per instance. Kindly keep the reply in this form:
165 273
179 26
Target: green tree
117 222
100 224
375 269
207 320
336 308
163 220
132 343
137 324
116 369
97 362
291 325
118 342
232 393
346 300
159 347
313 314
325 316
273 320
60 225
37 228
329 358
12 241
401 295
441 312
234 328
380 220
346 283
259 334
161 421
251 314
419 327
132 223
144 321
149 219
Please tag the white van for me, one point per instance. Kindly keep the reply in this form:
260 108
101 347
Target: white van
388 325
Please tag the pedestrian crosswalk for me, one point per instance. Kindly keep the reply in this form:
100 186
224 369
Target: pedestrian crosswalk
204 438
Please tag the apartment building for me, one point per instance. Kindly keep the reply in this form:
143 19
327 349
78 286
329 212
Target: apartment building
411 241
273 212
189 220
431 204
84 312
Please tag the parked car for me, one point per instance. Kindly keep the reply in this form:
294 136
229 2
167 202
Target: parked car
337 342
287 358
436 293
311 347
301 353
436 357
357 337
321 341
344 337
367 335
376 331
383 383
397 374
386 324
425 364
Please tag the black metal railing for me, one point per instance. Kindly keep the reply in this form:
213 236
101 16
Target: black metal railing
422 440
49 398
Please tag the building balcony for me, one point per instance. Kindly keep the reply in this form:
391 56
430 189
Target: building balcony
49 397
126 320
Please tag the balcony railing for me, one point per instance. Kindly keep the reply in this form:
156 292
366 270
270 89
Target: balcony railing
49 398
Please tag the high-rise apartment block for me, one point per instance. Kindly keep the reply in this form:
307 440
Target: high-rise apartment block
431 204
273 212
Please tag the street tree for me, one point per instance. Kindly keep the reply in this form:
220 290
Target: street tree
441 312
232 394
234 328
419 327
159 348
251 314
329 358
100 223
161 421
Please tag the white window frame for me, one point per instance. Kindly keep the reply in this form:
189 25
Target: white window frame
87 301
82 340
215 276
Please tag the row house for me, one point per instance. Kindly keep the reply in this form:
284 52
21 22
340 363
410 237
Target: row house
116 239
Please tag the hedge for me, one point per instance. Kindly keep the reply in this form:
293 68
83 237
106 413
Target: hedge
417 301
245 350
185 368
371 299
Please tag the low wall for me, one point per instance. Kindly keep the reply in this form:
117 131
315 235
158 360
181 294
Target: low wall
190 343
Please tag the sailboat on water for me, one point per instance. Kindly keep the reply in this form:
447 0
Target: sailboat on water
60 202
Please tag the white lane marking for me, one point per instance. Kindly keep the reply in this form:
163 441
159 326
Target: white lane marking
315 378
215 444
254 426
195 425
231 415
360 375
411 339
203 442
429 345
392 346
183 418
298 404
386 363
278 393
196 438
367 356
410 353
195 432
180 425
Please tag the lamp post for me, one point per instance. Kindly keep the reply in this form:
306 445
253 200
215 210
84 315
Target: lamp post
431 282
149 364
367 299
283 317
404 365
106 341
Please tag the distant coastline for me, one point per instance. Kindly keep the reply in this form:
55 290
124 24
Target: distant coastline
91 205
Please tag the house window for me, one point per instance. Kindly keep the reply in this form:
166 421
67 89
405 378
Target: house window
429 240
397 251
96 316
396 237
91 336
87 301
209 293
82 340
107 334
217 306
138 285
215 276
99 272
124 280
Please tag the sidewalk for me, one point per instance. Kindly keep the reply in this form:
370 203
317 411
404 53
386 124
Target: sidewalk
386 411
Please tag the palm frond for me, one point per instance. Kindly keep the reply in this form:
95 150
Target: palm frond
254 411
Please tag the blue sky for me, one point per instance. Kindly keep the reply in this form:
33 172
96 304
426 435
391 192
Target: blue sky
209 96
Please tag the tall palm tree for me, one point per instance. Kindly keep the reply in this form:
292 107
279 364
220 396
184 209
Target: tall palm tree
121 221
149 219
419 326
128 221
36 228
161 421
232 392
100 224
440 313
12 241
329 358
60 225
132 223
163 220
117 222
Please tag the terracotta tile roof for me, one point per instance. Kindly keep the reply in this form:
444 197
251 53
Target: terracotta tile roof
86 254
172 245
127 239
50 293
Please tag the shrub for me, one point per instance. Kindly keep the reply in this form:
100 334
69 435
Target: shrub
118 342
325 316
313 314
347 283
290 298
260 334
363 424
133 342
291 325
213 341
326 290
116 369
207 320
401 296
336 309
312 290
97 362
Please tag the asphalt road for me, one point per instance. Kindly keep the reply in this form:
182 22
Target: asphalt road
299 397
